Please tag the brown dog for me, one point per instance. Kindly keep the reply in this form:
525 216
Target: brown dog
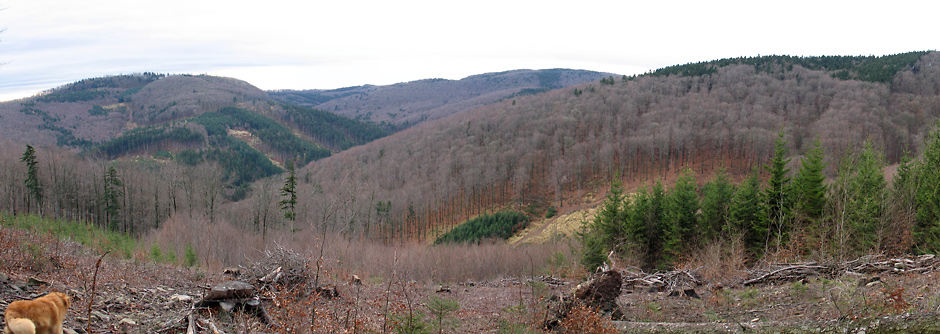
43 315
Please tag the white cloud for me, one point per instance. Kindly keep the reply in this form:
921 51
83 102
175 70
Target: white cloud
330 44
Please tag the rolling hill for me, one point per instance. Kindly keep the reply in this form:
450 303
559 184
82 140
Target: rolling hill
562 148
203 117
556 149
406 104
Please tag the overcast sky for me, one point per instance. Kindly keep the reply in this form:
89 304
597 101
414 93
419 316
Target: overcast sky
276 44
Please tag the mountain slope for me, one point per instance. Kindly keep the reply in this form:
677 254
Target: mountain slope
192 118
405 104
560 148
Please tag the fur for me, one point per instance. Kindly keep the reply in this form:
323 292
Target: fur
43 315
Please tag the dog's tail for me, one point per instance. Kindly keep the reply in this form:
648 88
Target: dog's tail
21 326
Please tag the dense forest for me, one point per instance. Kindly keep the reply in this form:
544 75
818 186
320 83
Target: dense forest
677 140
562 147
795 214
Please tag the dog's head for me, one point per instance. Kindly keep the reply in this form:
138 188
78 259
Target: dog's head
60 298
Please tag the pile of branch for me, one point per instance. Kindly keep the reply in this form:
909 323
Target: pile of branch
551 280
793 272
279 266
868 265
878 265
676 280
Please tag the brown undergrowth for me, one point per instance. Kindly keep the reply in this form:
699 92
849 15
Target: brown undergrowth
136 296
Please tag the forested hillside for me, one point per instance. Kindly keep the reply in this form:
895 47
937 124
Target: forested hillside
192 119
562 147
738 175
555 151
402 105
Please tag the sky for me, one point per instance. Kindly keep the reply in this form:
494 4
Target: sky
275 44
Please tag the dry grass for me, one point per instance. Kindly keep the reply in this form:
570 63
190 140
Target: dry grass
389 299
221 244
549 230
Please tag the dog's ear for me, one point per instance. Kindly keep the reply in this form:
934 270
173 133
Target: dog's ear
66 301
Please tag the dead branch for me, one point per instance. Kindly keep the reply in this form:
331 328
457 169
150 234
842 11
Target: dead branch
191 329
788 273
211 325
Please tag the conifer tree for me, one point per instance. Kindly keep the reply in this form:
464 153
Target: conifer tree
32 178
859 197
747 216
606 231
609 219
113 191
903 206
716 203
809 187
927 230
647 230
777 200
681 216
289 194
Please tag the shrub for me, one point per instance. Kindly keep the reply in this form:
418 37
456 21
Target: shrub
156 253
190 256
551 212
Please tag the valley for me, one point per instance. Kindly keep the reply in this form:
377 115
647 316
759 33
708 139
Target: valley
721 171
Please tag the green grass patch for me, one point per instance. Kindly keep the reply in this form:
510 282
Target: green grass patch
86 234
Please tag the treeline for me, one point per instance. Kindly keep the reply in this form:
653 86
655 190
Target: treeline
865 68
94 88
793 214
500 225
73 96
117 81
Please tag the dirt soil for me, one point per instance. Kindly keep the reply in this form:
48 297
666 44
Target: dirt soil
139 297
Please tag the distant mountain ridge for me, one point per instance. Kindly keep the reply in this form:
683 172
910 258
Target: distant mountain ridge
405 104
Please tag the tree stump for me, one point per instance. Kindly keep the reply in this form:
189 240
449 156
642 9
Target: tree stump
230 290
235 295
601 291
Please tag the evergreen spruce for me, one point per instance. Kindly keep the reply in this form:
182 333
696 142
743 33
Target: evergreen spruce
289 193
810 184
681 218
777 201
747 215
647 229
113 192
607 231
716 204
609 219
927 230
865 198
32 178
